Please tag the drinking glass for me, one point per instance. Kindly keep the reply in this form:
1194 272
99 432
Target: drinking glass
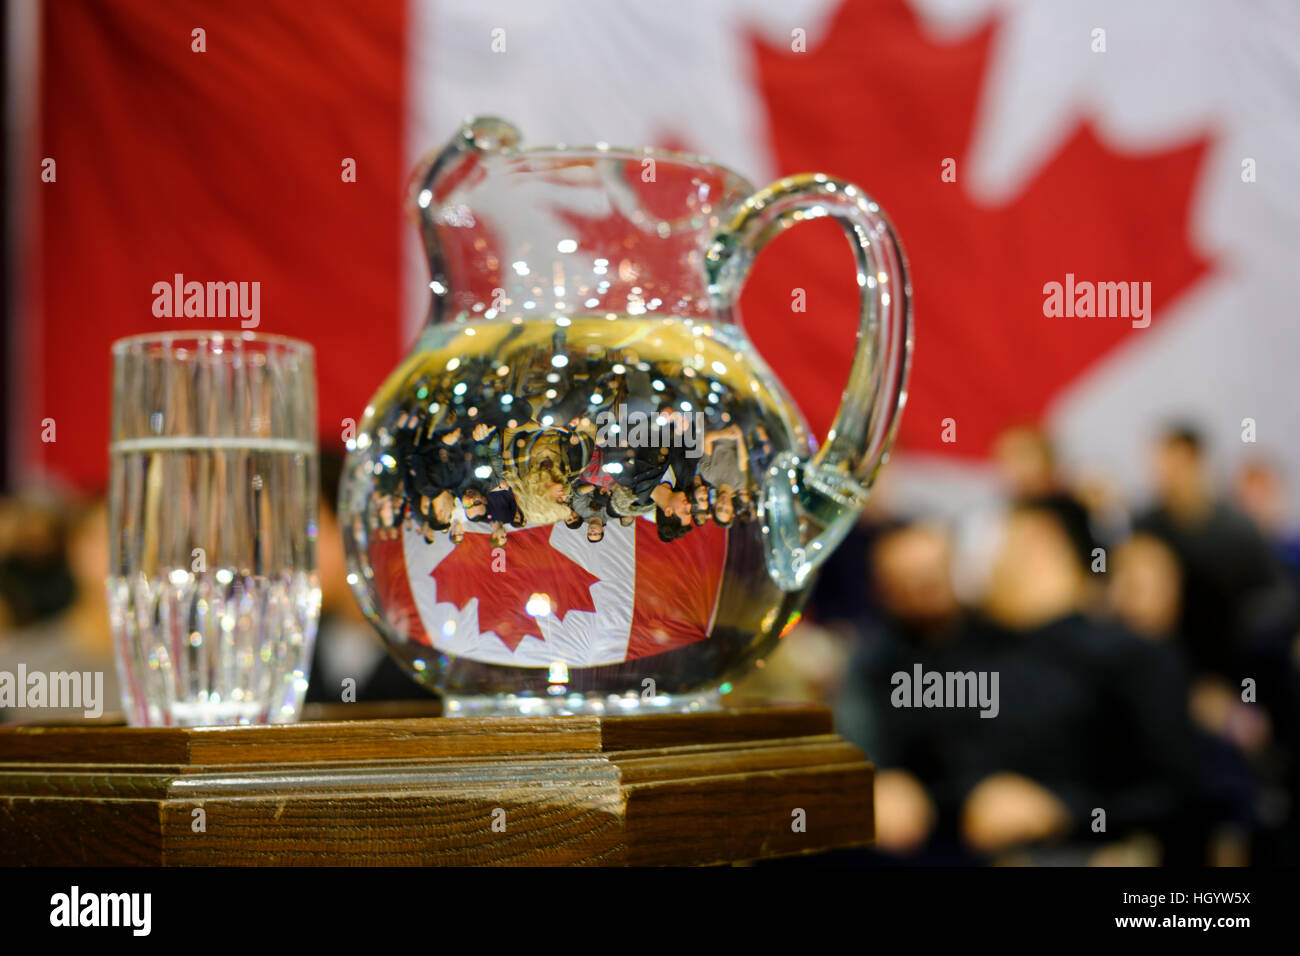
213 588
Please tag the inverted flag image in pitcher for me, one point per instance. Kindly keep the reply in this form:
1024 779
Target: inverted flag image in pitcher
550 595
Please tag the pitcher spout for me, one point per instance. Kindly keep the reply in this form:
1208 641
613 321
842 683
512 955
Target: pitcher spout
436 175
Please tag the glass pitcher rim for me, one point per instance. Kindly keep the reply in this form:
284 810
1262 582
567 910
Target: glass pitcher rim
604 150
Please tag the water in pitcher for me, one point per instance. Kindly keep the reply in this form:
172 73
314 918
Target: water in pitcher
213 592
566 509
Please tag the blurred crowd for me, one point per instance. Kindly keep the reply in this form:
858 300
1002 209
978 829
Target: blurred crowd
1146 656
1145 652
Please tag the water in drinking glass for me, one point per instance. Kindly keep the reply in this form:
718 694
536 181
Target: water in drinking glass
213 590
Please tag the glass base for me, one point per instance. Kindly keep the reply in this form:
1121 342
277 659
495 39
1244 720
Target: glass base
514 705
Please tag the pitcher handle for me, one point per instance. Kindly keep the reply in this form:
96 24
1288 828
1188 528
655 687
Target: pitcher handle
830 488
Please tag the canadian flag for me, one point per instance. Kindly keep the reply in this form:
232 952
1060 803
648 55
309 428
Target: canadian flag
1012 142
550 595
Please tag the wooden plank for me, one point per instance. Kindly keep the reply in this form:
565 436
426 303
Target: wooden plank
735 724
314 742
733 817
543 812
94 744
40 831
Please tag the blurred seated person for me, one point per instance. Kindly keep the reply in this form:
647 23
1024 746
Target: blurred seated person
1146 587
1145 593
1235 593
1026 463
1260 492
1025 466
919 618
35 582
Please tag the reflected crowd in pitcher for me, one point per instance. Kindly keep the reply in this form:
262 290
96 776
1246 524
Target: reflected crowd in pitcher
579 437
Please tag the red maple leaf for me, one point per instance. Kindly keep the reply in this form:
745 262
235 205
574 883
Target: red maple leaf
531 568
881 104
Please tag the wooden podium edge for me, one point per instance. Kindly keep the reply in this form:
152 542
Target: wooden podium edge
660 790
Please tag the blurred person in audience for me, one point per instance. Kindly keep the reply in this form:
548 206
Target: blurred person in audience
35 582
1235 592
1108 512
347 645
1145 593
1026 463
1095 717
1146 587
77 638
919 619
1026 466
918 613
1259 490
